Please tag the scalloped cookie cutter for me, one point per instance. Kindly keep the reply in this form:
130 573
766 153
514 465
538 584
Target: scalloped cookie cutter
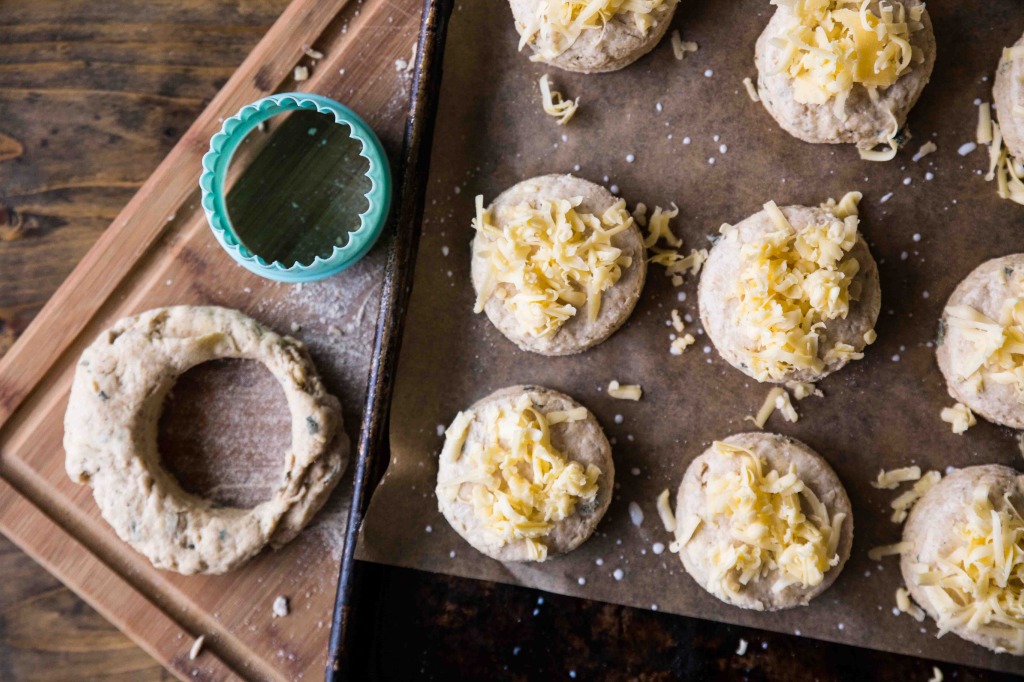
215 167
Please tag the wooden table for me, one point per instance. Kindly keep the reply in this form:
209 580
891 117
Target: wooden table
92 96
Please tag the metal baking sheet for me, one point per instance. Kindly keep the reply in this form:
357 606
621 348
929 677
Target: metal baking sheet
928 223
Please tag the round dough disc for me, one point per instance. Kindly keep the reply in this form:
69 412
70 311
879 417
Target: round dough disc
867 123
579 441
985 290
777 452
718 305
929 528
618 45
1008 93
110 437
617 303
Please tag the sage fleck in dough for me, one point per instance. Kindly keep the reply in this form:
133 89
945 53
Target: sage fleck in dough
110 435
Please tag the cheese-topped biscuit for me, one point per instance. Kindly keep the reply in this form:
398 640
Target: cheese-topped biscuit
591 36
843 71
791 293
763 522
962 556
981 341
558 264
525 473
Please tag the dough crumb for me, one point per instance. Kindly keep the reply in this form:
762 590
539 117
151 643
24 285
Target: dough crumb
959 417
936 675
301 73
197 648
741 650
311 53
281 608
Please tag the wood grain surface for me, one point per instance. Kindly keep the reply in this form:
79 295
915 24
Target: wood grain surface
83 85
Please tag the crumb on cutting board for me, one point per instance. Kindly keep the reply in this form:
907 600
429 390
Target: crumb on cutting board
197 648
280 607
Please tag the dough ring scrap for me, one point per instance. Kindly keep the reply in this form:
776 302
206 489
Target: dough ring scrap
110 436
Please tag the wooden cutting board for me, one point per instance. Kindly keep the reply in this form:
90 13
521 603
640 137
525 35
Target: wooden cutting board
159 251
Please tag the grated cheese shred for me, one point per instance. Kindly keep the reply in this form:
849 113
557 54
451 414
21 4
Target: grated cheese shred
959 417
627 392
547 260
553 103
680 47
557 24
890 480
751 90
979 583
791 283
776 523
668 519
519 485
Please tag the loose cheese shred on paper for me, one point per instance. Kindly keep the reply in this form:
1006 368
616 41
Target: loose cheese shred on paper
880 155
559 416
830 46
906 605
519 485
547 260
553 103
679 345
901 505
926 149
803 389
890 480
876 553
680 47
628 392
959 417
936 675
984 134
658 228
770 402
791 283
676 264
996 352
979 582
668 519
776 523
557 24
751 90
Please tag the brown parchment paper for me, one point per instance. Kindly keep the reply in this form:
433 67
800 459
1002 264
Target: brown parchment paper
883 411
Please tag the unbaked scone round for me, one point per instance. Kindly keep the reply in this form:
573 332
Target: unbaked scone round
776 453
1008 94
581 441
617 45
578 333
719 307
934 529
985 290
110 436
867 123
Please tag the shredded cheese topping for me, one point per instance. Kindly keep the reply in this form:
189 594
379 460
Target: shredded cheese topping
769 529
1007 171
519 485
791 283
554 105
979 583
830 46
558 24
551 258
996 348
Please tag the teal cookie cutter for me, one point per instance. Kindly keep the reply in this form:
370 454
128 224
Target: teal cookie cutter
215 167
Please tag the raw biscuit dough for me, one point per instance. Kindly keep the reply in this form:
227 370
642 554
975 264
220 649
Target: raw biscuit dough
985 290
777 452
110 431
868 123
718 305
578 333
579 441
1008 93
932 520
617 45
